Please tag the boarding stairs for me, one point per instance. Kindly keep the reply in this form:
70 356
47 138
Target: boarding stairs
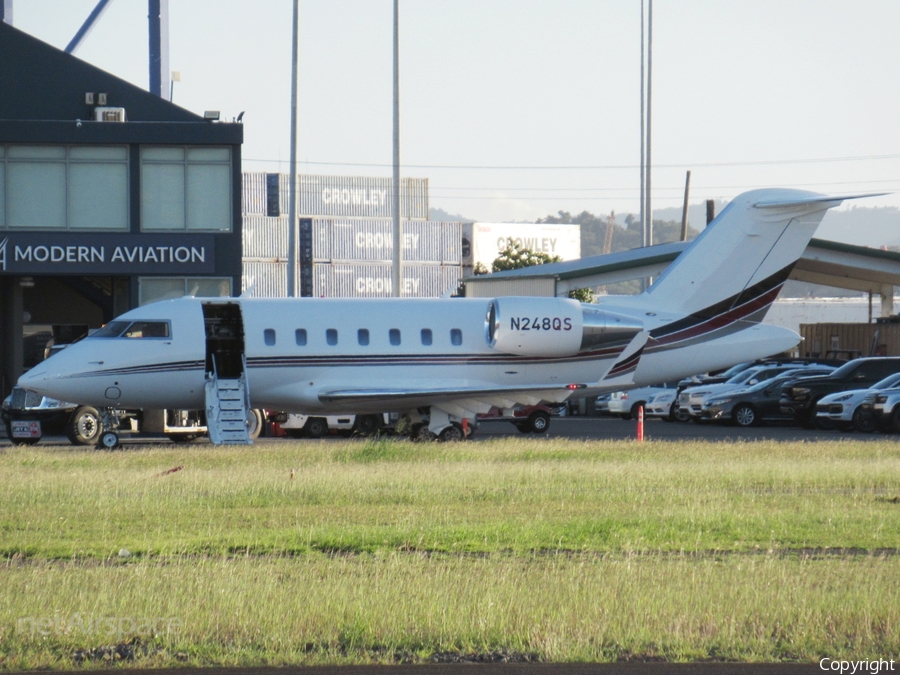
227 407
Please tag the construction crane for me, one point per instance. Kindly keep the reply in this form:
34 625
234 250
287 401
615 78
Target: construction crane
610 227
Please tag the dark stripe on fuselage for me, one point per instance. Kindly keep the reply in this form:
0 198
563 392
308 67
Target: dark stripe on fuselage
359 360
747 303
174 367
626 366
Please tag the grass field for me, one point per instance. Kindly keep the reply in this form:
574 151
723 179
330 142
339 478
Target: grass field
385 551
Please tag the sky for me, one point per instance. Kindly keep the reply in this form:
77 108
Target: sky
517 109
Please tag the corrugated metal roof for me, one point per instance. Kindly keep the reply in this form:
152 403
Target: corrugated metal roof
860 264
595 264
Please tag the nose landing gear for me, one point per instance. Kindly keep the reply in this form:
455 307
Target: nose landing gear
109 423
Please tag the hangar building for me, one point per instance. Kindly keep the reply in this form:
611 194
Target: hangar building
110 197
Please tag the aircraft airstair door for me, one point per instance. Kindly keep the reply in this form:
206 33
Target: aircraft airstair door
227 392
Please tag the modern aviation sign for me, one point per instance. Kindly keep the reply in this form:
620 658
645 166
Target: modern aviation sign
96 253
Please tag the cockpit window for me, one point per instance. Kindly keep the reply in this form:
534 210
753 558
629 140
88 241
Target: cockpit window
133 329
110 330
148 329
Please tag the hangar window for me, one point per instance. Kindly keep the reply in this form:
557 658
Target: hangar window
455 337
269 336
394 335
362 336
300 337
331 336
427 338
168 288
57 187
186 188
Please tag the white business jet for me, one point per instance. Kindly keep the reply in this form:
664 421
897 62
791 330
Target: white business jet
446 360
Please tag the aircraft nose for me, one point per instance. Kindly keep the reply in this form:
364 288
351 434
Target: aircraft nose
35 380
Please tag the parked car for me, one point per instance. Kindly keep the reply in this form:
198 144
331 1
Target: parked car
601 404
725 375
660 405
691 399
756 404
886 411
800 399
625 404
846 409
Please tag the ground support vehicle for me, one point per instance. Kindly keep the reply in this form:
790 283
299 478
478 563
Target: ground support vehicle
759 403
530 419
298 425
800 399
28 417
853 409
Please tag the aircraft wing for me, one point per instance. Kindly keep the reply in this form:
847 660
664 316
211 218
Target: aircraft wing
460 401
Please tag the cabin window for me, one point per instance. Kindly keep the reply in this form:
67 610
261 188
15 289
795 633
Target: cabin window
362 335
148 329
300 337
427 338
269 336
455 337
331 336
394 335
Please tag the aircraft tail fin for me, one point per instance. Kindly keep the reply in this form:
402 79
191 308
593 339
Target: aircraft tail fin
739 263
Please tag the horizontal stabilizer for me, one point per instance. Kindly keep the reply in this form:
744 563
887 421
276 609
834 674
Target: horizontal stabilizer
743 257
818 199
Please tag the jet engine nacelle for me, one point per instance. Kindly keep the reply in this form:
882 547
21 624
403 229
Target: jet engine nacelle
554 327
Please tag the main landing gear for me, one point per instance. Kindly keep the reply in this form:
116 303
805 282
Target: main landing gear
436 425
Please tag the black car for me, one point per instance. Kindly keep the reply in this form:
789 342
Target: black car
761 402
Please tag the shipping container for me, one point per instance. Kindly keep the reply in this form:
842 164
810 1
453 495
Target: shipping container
356 197
346 196
372 241
352 240
265 238
358 280
483 242
264 279
351 280
869 339
253 194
